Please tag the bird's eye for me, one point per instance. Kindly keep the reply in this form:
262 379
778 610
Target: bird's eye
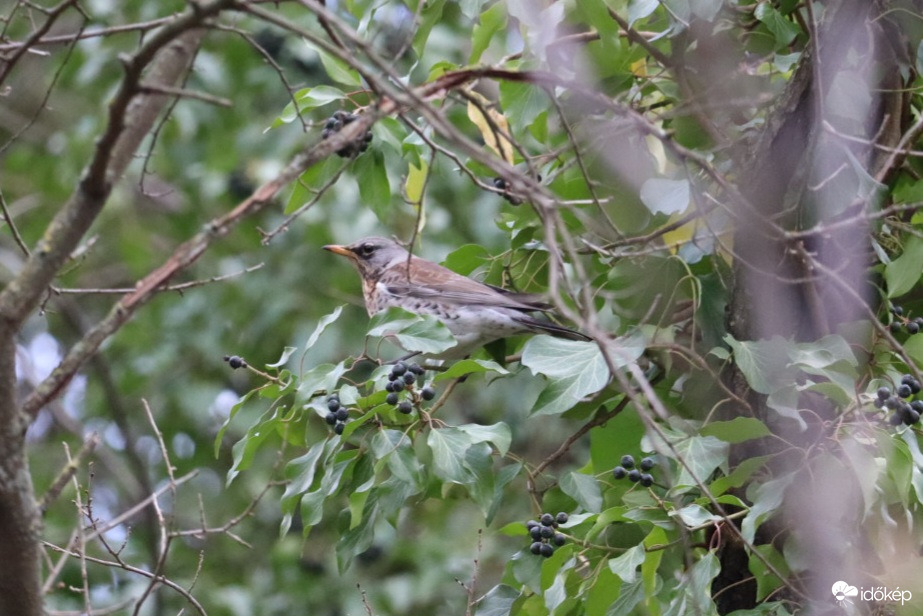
368 249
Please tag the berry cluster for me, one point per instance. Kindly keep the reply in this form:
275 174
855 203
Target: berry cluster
543 533
501 184
338 415
904 412
635 475
403 377
912 326
235 361
336 123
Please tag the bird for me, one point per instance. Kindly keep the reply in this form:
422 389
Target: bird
474 312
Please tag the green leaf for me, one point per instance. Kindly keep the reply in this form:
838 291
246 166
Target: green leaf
300 474
309 98
498 434
584 489
766 581
470 366
737 430
522 102
219 438
575 369
626 565
497 601
432 12
374 188
320 378
490 22
414 332
665 196
449 446
904 272
695 515
782 29
305 189
766 499
632 594
639 9
739 476
337 69
322 325
702 454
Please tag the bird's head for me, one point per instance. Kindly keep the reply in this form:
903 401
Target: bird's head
371 255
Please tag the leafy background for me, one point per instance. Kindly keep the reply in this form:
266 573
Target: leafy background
426 514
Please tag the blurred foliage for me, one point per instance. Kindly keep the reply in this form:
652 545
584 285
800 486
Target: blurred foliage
405 505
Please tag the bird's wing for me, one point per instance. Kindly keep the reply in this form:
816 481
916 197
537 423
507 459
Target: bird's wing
432 281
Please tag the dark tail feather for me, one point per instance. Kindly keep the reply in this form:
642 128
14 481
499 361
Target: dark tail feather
547 327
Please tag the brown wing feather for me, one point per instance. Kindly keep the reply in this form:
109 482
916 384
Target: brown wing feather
431 281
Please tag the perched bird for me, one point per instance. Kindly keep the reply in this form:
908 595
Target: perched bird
475 313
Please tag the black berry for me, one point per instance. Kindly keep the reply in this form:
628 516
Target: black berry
397 385
399 368
628 461
428 393
904 391
898 310
911 417
647 480
547 550
884 393
561 518
532 524
333 404
235 362
331 418
339 427
913 327
619 472
559 539
389 386
405 407
917 405
546 531
416 369
536 548
893 403
895 419
647 463
895 326
391 399
341 414
634 475
410 378
536 532
547 519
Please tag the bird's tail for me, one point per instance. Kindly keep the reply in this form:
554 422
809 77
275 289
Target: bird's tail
547 327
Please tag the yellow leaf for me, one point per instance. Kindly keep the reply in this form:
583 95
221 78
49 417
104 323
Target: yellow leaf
681 235
638 68
416 180
493 138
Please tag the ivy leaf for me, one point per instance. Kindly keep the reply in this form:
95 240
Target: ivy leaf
498 601
470 366
665 196
626 565
308 98
766 498
584 489
414 332
449 446
782 29
902 273
374 188
498 434
703 454
337 69
737 430
695 515
322 325
320 378
489 23
574 368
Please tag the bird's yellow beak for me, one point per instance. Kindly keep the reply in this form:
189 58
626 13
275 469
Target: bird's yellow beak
340 250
